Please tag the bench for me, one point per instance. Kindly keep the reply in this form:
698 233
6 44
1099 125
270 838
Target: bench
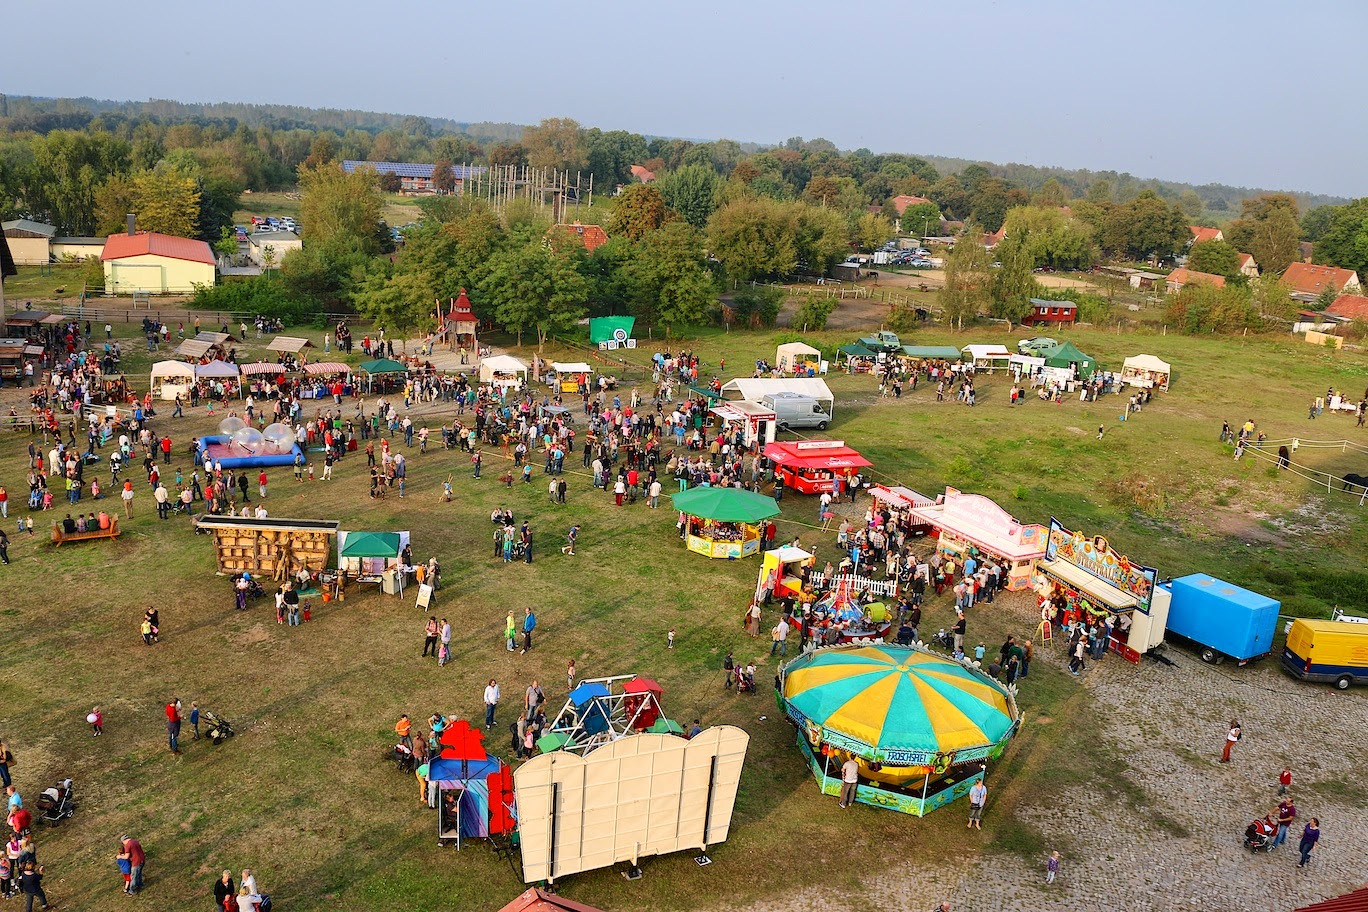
59 536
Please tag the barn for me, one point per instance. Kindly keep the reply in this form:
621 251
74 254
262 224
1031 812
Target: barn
156 263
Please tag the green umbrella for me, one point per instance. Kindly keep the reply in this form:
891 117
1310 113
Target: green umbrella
725 504
663 726
554 741
383 366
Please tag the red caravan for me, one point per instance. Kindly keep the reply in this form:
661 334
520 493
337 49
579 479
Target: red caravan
808 466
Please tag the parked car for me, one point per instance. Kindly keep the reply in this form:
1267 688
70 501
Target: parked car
257 220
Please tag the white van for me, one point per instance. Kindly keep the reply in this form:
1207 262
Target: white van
794 410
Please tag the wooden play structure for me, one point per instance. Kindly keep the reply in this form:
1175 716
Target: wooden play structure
60 537
278 548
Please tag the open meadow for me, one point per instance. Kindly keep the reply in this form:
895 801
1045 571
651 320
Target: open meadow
305 795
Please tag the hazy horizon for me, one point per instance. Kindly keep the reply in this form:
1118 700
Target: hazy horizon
1202 93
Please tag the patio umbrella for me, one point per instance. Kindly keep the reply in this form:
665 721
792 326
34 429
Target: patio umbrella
665 726
725 504
873 699
554 741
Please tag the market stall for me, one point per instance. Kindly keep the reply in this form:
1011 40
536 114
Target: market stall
217 370
798 358
722 522
1146 371
384 368
904 499
783 574
811 466
1086 578
171 379
986 357
373 557
1066 365
503 371
920 726
756 422
859 358
970 524
571 377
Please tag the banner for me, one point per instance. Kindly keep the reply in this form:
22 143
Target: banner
1096 558
611 329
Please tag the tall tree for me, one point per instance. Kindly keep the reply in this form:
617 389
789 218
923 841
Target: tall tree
967 276
638 211
508 155
337 204
1269 228
1316 222
671 283
691 191
872 230
1146 226
753 239
1051 193
555 143
1214 257
1012 285
443 177
1345 241
533 286
919 218
167 200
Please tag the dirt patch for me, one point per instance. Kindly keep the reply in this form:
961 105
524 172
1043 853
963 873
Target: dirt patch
1246 527
253 635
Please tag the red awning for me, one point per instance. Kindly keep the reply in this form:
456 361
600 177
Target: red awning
804 455
262 367
327 367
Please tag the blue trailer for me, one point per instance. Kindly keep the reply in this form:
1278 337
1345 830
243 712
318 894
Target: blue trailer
1224 620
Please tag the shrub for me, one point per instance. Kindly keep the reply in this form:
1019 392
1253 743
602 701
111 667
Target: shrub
263 295
813 314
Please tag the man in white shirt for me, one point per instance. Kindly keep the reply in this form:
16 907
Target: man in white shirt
491 700
850 780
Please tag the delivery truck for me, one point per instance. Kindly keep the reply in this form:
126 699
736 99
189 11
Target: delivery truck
1219 618
1330 651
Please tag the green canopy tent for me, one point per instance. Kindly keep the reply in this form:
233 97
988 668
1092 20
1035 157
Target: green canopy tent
381 366
1065 355
932 352
372 544
856 350
373 557
722 521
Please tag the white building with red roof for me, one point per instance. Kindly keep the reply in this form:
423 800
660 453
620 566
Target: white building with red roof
156 263
1309 281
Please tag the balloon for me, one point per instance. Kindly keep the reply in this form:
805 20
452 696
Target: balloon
230 426
280 436
248 438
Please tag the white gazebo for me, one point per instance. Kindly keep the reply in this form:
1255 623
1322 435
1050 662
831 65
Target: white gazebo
171 379
788 356
503 370
988 356
1147 371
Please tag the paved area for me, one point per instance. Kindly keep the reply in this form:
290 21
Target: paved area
1171 721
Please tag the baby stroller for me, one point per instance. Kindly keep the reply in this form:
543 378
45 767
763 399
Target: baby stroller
1258 836
745 683
57 803
403 758
217 727
943 639
254 589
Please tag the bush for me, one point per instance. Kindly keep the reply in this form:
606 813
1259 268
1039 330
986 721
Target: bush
757 305
92 272
813 314
263 295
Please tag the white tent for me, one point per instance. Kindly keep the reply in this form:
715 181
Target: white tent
503 370
987 355
571 367
1146 370
753 389
217 370
171 379
791 354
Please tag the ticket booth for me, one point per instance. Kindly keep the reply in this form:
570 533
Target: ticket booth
811 466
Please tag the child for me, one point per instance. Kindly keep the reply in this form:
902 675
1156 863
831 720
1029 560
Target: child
294 615
1052 868
978 652
311 471
96 720
443 654
308 611
6 880
669 638
147 632
194 719
28 525
570 676
1284 781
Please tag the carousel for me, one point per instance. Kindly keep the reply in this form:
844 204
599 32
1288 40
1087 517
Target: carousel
599 711
723 522
921 726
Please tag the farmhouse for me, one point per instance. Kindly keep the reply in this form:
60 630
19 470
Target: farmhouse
1184 276
156 263
29 242
1309 281
1201 234
1051 313
643 174
278 243
1247 266
1349 307
591 236
414 177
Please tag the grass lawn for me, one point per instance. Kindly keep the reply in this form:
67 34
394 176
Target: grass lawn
397 210
304 794
46 284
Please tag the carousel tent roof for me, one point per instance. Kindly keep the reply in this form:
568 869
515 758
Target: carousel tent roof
216 369
899 698
725 504
383 366
173 369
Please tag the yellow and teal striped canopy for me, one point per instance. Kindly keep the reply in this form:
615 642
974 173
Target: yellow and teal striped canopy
894 698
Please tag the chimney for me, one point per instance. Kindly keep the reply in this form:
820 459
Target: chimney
132 224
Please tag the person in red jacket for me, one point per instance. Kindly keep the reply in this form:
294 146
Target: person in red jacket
166 448
173 725
136 859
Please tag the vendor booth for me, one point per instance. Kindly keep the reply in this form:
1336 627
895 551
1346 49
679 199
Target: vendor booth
503 371
798 358
1084 577
986 357
472 791
755 389
1146 371
971 523
722 522
1066 365
921 726
783 574
571 377
217 370
384 368
810 466
373 557
171 379
756 422
859 358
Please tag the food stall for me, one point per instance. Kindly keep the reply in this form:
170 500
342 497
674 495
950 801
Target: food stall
571 376
1092 579
1146 371
987 357
373 557
970 523
171 379
1066 365
722 522
798 358
782 572
503 371
756 421
810 466
904 499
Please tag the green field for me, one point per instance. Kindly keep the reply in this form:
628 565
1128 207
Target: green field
304 794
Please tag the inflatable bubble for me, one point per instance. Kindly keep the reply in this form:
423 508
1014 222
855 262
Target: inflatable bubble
248 438
280 436
230 426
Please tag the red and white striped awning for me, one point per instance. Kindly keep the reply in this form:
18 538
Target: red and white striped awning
262 367
327 367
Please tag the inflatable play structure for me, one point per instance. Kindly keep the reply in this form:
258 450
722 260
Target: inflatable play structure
240 446
921 726
599 711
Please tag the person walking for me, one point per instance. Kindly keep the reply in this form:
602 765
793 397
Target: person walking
1287 813
570 538
4 546
136 859
491 700
779 636
1309 840
511 632
173 725
529 625
978 796
850 781
1233 735
430 636
1052 868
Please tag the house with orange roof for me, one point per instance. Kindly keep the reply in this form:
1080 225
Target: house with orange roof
1349 307
900 204
1247 266
1309 281
1201 233
1184 276
591 237
155 263
643 174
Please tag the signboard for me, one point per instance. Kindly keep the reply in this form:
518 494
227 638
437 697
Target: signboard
818 444
611 329
1097 558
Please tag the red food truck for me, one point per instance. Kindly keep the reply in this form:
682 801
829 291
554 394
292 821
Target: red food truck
808 466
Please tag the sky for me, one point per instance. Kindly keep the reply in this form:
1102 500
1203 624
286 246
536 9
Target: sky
1245 93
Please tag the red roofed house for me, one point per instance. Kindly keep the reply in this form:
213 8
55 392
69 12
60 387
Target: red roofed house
1183 276
643 174
1356 901
991 240
900 204
591 236
1309 281
1200 234
1248 266
535 900
1350 307
155 263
